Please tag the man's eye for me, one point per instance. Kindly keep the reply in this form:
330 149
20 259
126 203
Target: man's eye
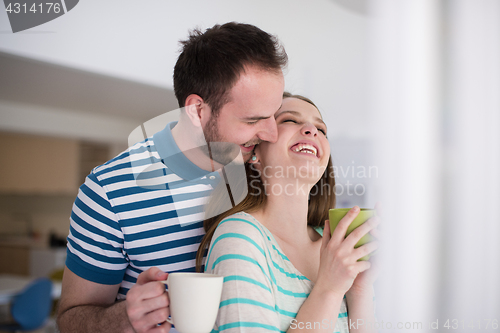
290 120
322 131
252 122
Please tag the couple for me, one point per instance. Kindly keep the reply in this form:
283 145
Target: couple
125 238
282 268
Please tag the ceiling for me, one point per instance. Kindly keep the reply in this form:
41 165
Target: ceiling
28 81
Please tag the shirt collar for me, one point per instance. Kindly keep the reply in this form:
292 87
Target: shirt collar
173 157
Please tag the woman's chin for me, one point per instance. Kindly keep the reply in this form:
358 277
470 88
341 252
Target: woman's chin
307 168
296 166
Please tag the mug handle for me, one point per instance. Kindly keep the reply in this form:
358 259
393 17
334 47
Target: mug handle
169 320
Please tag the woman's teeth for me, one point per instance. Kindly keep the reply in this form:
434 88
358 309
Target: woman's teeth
305 148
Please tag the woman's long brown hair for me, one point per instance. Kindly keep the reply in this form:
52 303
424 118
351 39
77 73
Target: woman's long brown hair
321 199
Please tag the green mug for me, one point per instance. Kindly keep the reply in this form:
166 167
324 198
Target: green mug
364 214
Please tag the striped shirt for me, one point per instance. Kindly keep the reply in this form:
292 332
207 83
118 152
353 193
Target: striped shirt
262 290
141 209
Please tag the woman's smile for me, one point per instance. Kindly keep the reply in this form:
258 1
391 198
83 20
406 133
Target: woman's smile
306 147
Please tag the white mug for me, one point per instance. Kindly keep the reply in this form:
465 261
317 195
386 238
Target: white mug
194 301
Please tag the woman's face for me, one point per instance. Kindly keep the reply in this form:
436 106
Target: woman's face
302 146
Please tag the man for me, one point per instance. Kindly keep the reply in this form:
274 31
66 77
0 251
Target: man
128 230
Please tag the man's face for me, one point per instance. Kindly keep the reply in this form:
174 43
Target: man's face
248 117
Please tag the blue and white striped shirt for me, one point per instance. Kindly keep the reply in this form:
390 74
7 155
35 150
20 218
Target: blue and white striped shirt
143 208
262 290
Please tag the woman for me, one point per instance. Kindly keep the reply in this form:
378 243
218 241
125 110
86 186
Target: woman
282 272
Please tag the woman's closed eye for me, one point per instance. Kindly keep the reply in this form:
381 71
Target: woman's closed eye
320 129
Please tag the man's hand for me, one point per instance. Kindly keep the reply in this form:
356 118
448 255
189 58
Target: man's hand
148 303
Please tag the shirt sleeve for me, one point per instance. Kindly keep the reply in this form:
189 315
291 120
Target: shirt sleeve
238 252
95 241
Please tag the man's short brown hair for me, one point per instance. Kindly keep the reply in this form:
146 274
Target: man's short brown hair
210 62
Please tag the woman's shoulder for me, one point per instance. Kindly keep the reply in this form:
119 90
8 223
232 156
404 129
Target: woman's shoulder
241 222
237 235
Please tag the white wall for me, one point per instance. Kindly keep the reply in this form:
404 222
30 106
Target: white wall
436 78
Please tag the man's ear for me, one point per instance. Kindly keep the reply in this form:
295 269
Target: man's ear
194 108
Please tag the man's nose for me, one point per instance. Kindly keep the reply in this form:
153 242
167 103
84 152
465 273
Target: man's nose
269 130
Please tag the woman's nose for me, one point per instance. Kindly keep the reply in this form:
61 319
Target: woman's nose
309 129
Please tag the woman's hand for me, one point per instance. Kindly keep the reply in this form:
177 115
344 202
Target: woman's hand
363 284
339 266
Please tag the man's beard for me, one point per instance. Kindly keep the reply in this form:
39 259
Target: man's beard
215 147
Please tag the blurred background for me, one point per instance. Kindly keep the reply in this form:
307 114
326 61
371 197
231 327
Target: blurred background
410 91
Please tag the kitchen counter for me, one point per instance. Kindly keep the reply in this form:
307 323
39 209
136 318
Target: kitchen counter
23 241
28 257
